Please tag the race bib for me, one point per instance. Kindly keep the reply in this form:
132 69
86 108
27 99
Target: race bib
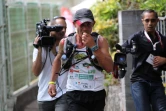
83 80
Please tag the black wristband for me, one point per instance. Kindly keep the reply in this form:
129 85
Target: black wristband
36 46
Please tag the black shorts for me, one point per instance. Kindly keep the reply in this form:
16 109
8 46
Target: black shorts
86 100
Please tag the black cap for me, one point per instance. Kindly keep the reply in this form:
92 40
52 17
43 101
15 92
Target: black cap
83 15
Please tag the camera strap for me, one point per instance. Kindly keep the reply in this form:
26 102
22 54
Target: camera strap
149 39
115 70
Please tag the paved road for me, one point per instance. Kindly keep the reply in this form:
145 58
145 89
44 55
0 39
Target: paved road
32 106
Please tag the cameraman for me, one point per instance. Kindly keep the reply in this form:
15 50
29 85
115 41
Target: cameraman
146 83
42 64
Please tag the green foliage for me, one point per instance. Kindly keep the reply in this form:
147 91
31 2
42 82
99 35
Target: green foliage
110 80
105 14
157 5
106 9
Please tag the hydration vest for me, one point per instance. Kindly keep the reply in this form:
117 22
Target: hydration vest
70 49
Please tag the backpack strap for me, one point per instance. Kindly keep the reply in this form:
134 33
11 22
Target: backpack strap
94 61
69 48
69 40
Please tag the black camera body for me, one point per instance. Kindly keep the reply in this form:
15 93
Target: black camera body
43 31
120 59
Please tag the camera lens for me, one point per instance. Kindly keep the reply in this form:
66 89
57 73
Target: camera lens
121 59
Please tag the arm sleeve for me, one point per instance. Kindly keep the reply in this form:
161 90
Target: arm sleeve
35 52
128 42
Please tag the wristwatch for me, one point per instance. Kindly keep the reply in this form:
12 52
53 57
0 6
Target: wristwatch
94 48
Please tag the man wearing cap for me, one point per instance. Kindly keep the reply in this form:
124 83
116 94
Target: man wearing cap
85 90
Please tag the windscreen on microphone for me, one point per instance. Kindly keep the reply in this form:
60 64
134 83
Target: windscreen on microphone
118 47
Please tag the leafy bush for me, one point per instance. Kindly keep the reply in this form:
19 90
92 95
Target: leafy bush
158 5
105 14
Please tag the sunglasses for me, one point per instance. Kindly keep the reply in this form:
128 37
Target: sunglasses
150 20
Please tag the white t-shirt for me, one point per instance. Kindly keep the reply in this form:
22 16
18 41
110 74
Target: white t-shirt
45 77
84 76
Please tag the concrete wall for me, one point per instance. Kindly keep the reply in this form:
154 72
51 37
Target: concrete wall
24 97
113 100
129 23
119 96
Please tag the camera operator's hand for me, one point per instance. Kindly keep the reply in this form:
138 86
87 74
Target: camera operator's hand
35 43
118 51
88 40
52 90
36 40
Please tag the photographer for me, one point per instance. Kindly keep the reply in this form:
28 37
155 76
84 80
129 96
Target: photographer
42 64
148 61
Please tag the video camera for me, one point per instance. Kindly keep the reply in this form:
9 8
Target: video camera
43 31
120 59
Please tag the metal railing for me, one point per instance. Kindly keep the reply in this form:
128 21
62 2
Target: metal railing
22 19
3 58
162 28
17 32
